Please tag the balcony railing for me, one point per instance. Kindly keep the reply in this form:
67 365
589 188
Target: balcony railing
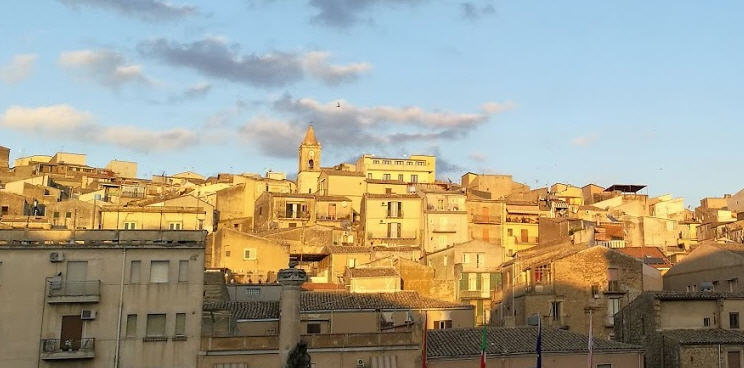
295 215
398 214
60 291
403 236
613 286
333 218
611 243
58 349
475 294
485 219
449 228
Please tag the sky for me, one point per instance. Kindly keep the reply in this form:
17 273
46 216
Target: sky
575 92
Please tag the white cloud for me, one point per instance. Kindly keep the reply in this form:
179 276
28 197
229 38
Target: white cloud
106 67
478 156
147 10
18 69
66 122
316 64
585 140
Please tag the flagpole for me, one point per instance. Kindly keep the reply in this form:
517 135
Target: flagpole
538 348
484 345
423 345
589 357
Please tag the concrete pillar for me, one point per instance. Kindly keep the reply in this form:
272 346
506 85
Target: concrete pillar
289 310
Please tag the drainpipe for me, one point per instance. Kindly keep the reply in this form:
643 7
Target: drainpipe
121 305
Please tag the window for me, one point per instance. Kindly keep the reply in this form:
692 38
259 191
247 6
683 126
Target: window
706 322
387 162
134 272
398 162
542 274
440 325
414 178
253 291
734 320
733 284
444 260
400 177
227 253
249 254
130 225
351 262
68 214
715 285
385 176
183 271
420 163
201 224
180 324
375 161
174 226
369 175
604 365
395 209
613 306
466 258
5 212
313 328
509 232
555 311
595 291
473 281
131 325
159 271
155 325
409 163
480 260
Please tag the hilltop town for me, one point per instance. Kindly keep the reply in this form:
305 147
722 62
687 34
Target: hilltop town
373 263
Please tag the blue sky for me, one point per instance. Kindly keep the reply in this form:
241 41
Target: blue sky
577 92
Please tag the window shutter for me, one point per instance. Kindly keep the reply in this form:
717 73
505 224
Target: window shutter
400 209
397 230
389 209
495 281
478 283
389 226
463 281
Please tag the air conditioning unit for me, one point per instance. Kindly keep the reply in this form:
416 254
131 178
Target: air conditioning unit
87 314
361 363
55 283
56 257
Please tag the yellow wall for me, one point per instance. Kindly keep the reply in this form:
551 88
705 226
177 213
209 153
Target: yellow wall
266 257
352 187
376 220
153 218
379 166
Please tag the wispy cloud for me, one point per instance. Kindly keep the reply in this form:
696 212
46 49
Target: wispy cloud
215 57
192 92
345 13
343 123
105 67
478 156
147 10
473 10
18 69
585 140
66 122
316 64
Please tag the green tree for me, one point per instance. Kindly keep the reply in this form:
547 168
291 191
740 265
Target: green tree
298 357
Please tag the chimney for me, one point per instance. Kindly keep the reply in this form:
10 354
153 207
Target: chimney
289 310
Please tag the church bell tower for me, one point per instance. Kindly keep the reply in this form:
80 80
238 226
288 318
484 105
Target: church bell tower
309 163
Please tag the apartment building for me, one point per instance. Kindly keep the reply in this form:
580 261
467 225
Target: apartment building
413 169
685 329
445 219
715 266
100 298
485 218
392 220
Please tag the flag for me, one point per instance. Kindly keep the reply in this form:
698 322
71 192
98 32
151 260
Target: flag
589 357
423 345
538 348
484 345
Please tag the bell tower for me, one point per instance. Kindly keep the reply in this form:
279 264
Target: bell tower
309 163
309 153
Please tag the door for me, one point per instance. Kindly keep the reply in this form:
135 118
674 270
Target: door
525 236
332 211
77 273
734 359
485 234
72 332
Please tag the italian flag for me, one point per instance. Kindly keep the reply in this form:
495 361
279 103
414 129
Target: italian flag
484 344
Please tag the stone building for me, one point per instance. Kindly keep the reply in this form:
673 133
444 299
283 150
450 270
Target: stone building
715 266
515 347
413 169
445 219
251 258
685 329
96 298
392 220
564 282
485 218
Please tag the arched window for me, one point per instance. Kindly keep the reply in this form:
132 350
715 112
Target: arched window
311 164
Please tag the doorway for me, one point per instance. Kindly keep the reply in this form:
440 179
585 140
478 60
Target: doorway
72 333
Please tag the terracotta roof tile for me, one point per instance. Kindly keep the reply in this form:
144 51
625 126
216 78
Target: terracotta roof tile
373 272
705 336
466 342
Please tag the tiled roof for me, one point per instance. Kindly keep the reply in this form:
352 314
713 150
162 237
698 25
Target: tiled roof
652 256
705 336
312 301
466 342
392 195
332 199
346 249
373 272
247 310
694 295
318 286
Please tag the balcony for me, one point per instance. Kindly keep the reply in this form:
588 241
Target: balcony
475 294
293 215
59 291
445 209
404 236
613 287
333 218
57 349
449 228
485 219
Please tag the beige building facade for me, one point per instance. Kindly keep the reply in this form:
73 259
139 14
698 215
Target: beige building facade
91 304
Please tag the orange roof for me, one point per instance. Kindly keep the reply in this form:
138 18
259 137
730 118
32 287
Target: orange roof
652 256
